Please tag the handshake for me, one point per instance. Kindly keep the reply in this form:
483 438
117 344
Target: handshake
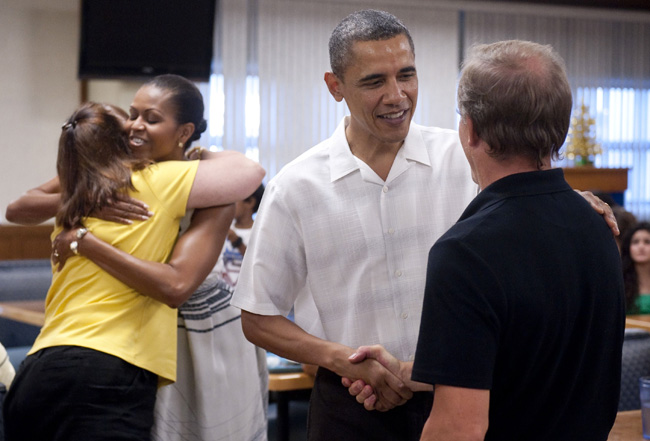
383 382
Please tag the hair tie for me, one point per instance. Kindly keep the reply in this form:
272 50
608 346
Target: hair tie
72 124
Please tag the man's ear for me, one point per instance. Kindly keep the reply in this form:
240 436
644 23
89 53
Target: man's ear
472 138
334 85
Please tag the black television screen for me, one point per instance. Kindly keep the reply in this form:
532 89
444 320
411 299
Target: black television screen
144 38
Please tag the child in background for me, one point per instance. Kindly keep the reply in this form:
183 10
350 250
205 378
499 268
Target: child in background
229 262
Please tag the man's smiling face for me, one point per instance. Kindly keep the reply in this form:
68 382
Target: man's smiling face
380 87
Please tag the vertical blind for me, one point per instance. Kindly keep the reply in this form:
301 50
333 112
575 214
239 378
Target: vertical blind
608 65
268 97
297 110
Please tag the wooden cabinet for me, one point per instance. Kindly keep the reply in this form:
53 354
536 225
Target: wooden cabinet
607 180
25 242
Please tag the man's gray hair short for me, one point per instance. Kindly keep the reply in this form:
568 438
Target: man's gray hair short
366 25
518 97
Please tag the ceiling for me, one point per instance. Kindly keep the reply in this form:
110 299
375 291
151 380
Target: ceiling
640 5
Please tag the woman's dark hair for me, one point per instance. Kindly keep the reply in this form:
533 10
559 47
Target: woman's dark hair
186 99
257 195
94 162
630 277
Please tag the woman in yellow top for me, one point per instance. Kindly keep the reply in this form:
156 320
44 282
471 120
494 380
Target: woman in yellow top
220 393
95 367
635 254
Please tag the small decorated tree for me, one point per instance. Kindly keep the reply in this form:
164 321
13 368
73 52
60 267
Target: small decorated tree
582 146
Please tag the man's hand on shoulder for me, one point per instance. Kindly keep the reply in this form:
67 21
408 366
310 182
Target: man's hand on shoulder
603 208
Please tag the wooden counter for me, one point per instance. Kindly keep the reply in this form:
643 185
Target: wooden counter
627 427
290 381
638 321
25 242
608 180
27 311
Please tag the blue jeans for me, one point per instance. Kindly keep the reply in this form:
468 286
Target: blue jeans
73 393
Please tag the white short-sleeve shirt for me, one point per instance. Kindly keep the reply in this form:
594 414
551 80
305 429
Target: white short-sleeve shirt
349 249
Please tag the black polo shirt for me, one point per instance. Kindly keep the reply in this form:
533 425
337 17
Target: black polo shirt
524 297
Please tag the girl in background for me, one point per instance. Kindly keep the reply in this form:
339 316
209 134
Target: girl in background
635 253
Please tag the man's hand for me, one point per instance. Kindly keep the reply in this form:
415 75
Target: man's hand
601 208
378 385
124 210
281 336
363 391
196 152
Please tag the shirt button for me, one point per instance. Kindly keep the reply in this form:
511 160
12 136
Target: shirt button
405 315
398 273
391 230
411 357
385 189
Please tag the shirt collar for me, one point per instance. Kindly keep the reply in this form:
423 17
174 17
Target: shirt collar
519 184
343 162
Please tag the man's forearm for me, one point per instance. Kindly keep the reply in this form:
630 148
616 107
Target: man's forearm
281 336
286 339
406 369
458 414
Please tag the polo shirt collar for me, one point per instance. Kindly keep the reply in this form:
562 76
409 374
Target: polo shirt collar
518 184
343 162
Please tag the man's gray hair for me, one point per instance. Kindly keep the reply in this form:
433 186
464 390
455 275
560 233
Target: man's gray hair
366 25
518 97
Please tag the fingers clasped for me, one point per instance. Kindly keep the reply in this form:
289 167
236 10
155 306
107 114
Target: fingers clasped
380 386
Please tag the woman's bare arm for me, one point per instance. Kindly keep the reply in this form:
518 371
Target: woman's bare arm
172 283
224 178
36 205
43 202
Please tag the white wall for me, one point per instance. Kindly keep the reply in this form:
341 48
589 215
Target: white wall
38 87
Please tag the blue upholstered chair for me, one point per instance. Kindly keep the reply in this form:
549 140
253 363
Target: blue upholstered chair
636 364
27 279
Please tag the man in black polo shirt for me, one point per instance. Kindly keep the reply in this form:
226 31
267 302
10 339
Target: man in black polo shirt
523 318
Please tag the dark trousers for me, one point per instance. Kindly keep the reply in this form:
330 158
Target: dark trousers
335 415
70 393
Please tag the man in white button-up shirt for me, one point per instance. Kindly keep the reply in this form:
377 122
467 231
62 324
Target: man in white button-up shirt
344 230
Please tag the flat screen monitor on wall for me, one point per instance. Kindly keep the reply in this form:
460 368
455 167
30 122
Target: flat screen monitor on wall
144 38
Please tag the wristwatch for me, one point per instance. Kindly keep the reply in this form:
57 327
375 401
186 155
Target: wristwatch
74 245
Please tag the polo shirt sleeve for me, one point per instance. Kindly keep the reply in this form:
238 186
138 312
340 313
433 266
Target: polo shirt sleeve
274 270
460 326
